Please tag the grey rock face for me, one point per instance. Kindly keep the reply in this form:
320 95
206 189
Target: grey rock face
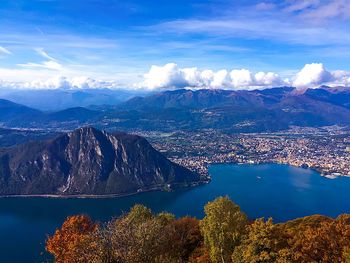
88 161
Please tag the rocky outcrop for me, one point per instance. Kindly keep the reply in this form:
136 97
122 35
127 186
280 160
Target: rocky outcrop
88 162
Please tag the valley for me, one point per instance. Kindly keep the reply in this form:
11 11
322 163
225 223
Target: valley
324 149
197 128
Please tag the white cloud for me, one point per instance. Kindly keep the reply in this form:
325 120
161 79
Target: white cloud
52 83
43 53
220 79
241 78
341 78
5 51
60 82
312 75
269 79
170 76
90 83
52 65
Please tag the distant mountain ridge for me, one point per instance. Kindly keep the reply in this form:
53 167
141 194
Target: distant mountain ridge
11 112
246 111
60 99
11 137
88 161
233 111
207 98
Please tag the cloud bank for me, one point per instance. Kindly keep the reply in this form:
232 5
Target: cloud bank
61 82
170 76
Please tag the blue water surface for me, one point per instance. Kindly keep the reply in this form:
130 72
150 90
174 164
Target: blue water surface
269 190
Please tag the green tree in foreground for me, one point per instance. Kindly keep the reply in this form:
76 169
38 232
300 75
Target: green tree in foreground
223 228
140 236
263 243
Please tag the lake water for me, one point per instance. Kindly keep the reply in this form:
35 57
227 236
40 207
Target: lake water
270 190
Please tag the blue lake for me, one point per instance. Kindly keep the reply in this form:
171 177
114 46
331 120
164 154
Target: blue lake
270 190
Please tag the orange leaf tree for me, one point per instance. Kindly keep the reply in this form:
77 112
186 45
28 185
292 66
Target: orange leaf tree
73 242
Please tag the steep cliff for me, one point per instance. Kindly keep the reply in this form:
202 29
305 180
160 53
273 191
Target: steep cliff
88 161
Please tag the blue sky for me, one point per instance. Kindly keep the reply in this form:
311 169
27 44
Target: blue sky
119 41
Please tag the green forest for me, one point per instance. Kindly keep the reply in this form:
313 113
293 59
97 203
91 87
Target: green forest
224 235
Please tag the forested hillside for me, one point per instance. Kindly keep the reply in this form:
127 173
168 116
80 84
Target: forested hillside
225 234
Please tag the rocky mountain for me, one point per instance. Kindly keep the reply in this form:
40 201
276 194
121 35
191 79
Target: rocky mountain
88 161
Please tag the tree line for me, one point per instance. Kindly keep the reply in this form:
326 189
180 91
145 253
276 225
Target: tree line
224 235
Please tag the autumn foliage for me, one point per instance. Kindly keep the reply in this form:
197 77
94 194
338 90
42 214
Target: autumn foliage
73 240
224 235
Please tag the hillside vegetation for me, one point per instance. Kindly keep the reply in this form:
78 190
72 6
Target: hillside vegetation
223 235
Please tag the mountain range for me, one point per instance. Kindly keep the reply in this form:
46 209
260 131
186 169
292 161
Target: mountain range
88 161
232 111
60 99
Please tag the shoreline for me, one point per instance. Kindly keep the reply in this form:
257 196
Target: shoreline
165 188
162 188
332 175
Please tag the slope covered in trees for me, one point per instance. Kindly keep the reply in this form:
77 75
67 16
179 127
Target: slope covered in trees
223 235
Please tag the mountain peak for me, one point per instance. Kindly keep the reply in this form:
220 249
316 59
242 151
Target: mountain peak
90 162
86 131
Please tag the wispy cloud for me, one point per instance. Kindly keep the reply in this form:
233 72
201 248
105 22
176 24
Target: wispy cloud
42 53
300 5
5 51
60 39
316 10
276 29
302 22
52 65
